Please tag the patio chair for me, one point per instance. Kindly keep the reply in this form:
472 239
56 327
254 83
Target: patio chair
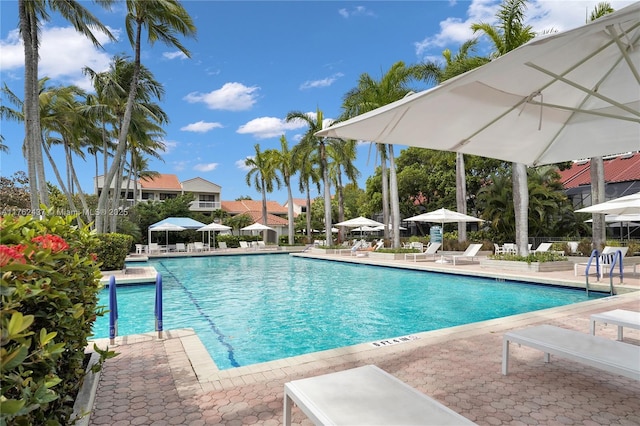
198 246
262 246
245 245
498 249
352 249
543 248
431 250
181 247
222 245
470 254
154 248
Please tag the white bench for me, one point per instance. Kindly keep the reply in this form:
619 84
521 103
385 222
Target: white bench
618 317
365 396
608 355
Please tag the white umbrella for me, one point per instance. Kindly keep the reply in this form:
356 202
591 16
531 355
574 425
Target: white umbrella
444 216
568 95
364 229
166 227
257 227
629 204
359 221
382 228
214 227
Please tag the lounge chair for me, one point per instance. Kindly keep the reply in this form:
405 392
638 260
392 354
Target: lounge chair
365 396
245 245
222 245
154 248
470 254
351 250
198 246
606 354
262 246
618 317
431 250
181 247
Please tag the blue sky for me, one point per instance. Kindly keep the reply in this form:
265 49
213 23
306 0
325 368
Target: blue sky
252 63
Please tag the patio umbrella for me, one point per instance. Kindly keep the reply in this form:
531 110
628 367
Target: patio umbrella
382 228
629 204
257 227
214 227
359 221
568 95
166 227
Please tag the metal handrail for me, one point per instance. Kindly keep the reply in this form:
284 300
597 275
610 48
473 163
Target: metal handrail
113 310
594 254
617 255
158 306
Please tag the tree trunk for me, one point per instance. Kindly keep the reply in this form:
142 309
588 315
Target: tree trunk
264 209
290 211
56 172
461 195
521 207
385 191
309 234
327 195
395 202
340 204
598 226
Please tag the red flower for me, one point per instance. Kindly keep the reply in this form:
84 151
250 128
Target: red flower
11 254
94 257
52 242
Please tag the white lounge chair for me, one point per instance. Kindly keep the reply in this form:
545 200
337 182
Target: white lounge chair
351 250
262 246
181 247
431 250
470 254
618 317
543 248
222 245
198 246
365 396
608 355
154 248
245 245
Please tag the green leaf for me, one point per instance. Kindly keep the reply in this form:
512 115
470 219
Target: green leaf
46 337
12 359
11 406
18 323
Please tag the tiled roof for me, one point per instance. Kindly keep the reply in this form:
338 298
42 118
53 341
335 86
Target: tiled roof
623 168
242 206
161 182
272 220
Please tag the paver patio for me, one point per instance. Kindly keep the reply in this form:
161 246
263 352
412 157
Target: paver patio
173 381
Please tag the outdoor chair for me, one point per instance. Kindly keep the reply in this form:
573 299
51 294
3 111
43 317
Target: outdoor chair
431 250
181 247
470 254
222 245
154 248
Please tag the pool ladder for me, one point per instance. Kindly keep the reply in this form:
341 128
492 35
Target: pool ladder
615 257
113 308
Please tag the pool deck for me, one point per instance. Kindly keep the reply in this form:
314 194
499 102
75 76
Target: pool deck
173 381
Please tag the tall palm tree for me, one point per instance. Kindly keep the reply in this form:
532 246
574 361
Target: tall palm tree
312 144
285 164
262 175
371 94
31 14
164 20
507 34
437 72
308 166
596 165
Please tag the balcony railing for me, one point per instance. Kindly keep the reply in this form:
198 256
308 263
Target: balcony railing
205 205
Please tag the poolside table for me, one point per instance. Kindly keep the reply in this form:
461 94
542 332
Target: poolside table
365 396
618 317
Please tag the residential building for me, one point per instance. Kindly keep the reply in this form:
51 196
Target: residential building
276 215
299 206
621 175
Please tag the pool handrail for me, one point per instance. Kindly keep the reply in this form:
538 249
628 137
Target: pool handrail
113 310
617 255
594 254
158 305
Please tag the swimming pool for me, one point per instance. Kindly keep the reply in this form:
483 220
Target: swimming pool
251 309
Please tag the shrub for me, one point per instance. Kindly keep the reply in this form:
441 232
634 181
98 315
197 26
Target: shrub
113 250
49 290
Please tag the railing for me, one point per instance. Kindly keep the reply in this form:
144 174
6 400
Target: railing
113 310
594 255
158 306
617 257
205 205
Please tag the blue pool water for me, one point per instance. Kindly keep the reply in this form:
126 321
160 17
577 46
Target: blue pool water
250 309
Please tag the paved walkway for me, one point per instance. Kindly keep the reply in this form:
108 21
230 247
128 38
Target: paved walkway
172 381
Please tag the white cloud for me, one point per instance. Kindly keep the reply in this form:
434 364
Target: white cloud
201 127
169 146
242 165
542 15
355 11
269 127
174 55
325 82
205 167
63 54
230 97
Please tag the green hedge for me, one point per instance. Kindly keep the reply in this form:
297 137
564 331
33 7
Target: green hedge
49 291
113 249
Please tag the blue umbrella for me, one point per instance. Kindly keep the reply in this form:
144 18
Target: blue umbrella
113 309
158 309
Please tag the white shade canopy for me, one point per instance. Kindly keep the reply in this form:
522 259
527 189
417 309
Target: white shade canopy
215 227
382 228
257 227
167 227
444 216
359 221
560 97
629 204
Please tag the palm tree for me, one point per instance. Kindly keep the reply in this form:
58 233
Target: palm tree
31 14
596 165
307 164
436 72
509 33
311 144
371 94
262 174
164 20
284 163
